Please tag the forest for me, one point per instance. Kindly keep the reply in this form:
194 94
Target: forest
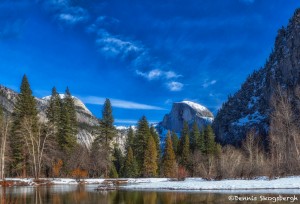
30 147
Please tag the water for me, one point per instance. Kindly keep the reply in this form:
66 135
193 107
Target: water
73 194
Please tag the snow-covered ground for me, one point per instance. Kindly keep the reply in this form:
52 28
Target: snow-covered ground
201 184
262 183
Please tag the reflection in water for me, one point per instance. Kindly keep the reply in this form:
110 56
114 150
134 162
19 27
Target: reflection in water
86 195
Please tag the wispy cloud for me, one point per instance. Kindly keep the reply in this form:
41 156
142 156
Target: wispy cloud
119 103
66 13
131 122
208 83
73 15
136 53
157 74
175 86
113 46
126 121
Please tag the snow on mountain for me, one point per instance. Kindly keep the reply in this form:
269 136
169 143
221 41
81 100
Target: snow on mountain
86 120
195 106
249 108
185 111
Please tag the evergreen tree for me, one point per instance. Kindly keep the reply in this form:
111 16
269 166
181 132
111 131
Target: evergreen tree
130 165
150 159
169 160
129 139
211 147
53 113
118 159
201 144
113 172
175 142
140 141
195 137
185 132
25 109
185 156
107 129
69 106
156 139
68 129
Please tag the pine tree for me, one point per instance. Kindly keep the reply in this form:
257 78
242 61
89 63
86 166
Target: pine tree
129 138
107 129
201 144
113 172
195 137
53 111
68 128
118 159
156 139
140 141
185 156
130 165
25 108
210 140
150 159
69 107
169 160
185 131
175 142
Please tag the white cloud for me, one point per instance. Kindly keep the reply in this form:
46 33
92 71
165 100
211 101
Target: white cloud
132 122
73 15
114 46
127 121
175 86
157 74
209 83
119 103
66 13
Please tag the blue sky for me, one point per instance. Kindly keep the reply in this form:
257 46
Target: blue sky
143 55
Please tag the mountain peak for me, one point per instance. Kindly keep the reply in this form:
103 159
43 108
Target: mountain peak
249 109
186 111
195 106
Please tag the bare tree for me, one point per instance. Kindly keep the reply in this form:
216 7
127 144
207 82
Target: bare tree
255 162
284 134
35 135
4 130
231 163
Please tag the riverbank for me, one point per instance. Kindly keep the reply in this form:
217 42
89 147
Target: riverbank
168 184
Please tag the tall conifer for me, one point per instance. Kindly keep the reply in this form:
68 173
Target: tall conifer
107 128
140 141
195 137
175 142
130 165
25 108
169 160
150 159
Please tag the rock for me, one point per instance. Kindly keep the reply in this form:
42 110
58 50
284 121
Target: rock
186 111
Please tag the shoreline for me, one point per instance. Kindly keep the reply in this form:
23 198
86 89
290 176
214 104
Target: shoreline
190 184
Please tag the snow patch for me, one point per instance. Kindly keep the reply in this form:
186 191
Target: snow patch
195 106
253 118
230 184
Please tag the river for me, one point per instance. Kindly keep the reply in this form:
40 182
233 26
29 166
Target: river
85 194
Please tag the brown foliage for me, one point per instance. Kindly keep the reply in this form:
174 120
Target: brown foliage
79 173
182 173
57 167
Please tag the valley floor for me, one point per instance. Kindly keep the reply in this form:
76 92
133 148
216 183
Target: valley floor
187 184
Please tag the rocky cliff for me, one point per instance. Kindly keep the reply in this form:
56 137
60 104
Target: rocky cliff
186 111
86 120
249 108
